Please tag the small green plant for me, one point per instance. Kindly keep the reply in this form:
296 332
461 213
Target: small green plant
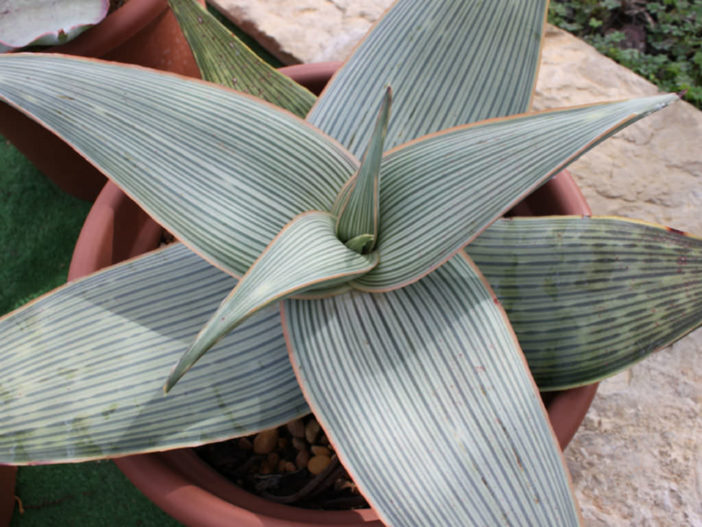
337 243
45 22
660 41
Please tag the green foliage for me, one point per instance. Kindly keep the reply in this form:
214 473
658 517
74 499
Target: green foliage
67 495
660 40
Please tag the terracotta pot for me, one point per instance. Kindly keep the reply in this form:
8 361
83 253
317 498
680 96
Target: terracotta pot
7 493
178 481
143 32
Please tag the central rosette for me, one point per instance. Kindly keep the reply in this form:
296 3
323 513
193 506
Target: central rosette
317 253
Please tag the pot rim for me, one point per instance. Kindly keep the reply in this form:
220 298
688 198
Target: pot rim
186 487
7 493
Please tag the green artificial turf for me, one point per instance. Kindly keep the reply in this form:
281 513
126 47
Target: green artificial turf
39 225
83 495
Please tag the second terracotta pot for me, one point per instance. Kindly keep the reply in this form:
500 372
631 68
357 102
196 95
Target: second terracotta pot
179 482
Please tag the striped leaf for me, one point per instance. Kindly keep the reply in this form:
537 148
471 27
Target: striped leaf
224 172
359 212
449 63
305 255
429 404
589 297
440 192
83 368
225 60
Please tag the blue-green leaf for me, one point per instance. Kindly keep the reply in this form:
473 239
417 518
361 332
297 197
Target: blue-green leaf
449 63
427 400
83 368
589 297
358 211
224 172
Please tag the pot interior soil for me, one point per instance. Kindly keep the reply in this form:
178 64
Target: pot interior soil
292 464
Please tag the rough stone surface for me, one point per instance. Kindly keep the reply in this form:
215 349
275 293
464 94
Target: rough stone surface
637 459
307 31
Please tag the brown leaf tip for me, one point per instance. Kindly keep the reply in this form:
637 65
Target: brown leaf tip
676 231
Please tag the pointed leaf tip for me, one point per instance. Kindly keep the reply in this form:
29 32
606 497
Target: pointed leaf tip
359 213
305 255
176 374
225 60
361 243
562 280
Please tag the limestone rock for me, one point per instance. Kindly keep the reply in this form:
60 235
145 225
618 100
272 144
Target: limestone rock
637 459
653 169
307 31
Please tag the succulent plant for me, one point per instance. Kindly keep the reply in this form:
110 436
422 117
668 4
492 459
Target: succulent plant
46 22
337 244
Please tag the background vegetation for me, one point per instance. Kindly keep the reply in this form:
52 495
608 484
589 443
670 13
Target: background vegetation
660 40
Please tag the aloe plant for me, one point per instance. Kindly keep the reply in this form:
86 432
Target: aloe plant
334 248
46 22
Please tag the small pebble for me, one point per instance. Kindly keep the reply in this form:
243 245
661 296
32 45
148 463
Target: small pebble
317 464
299 444
265 468
320 451
245 444
312 430
302 458
273 459
344 484
266 441
288 466
296 428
